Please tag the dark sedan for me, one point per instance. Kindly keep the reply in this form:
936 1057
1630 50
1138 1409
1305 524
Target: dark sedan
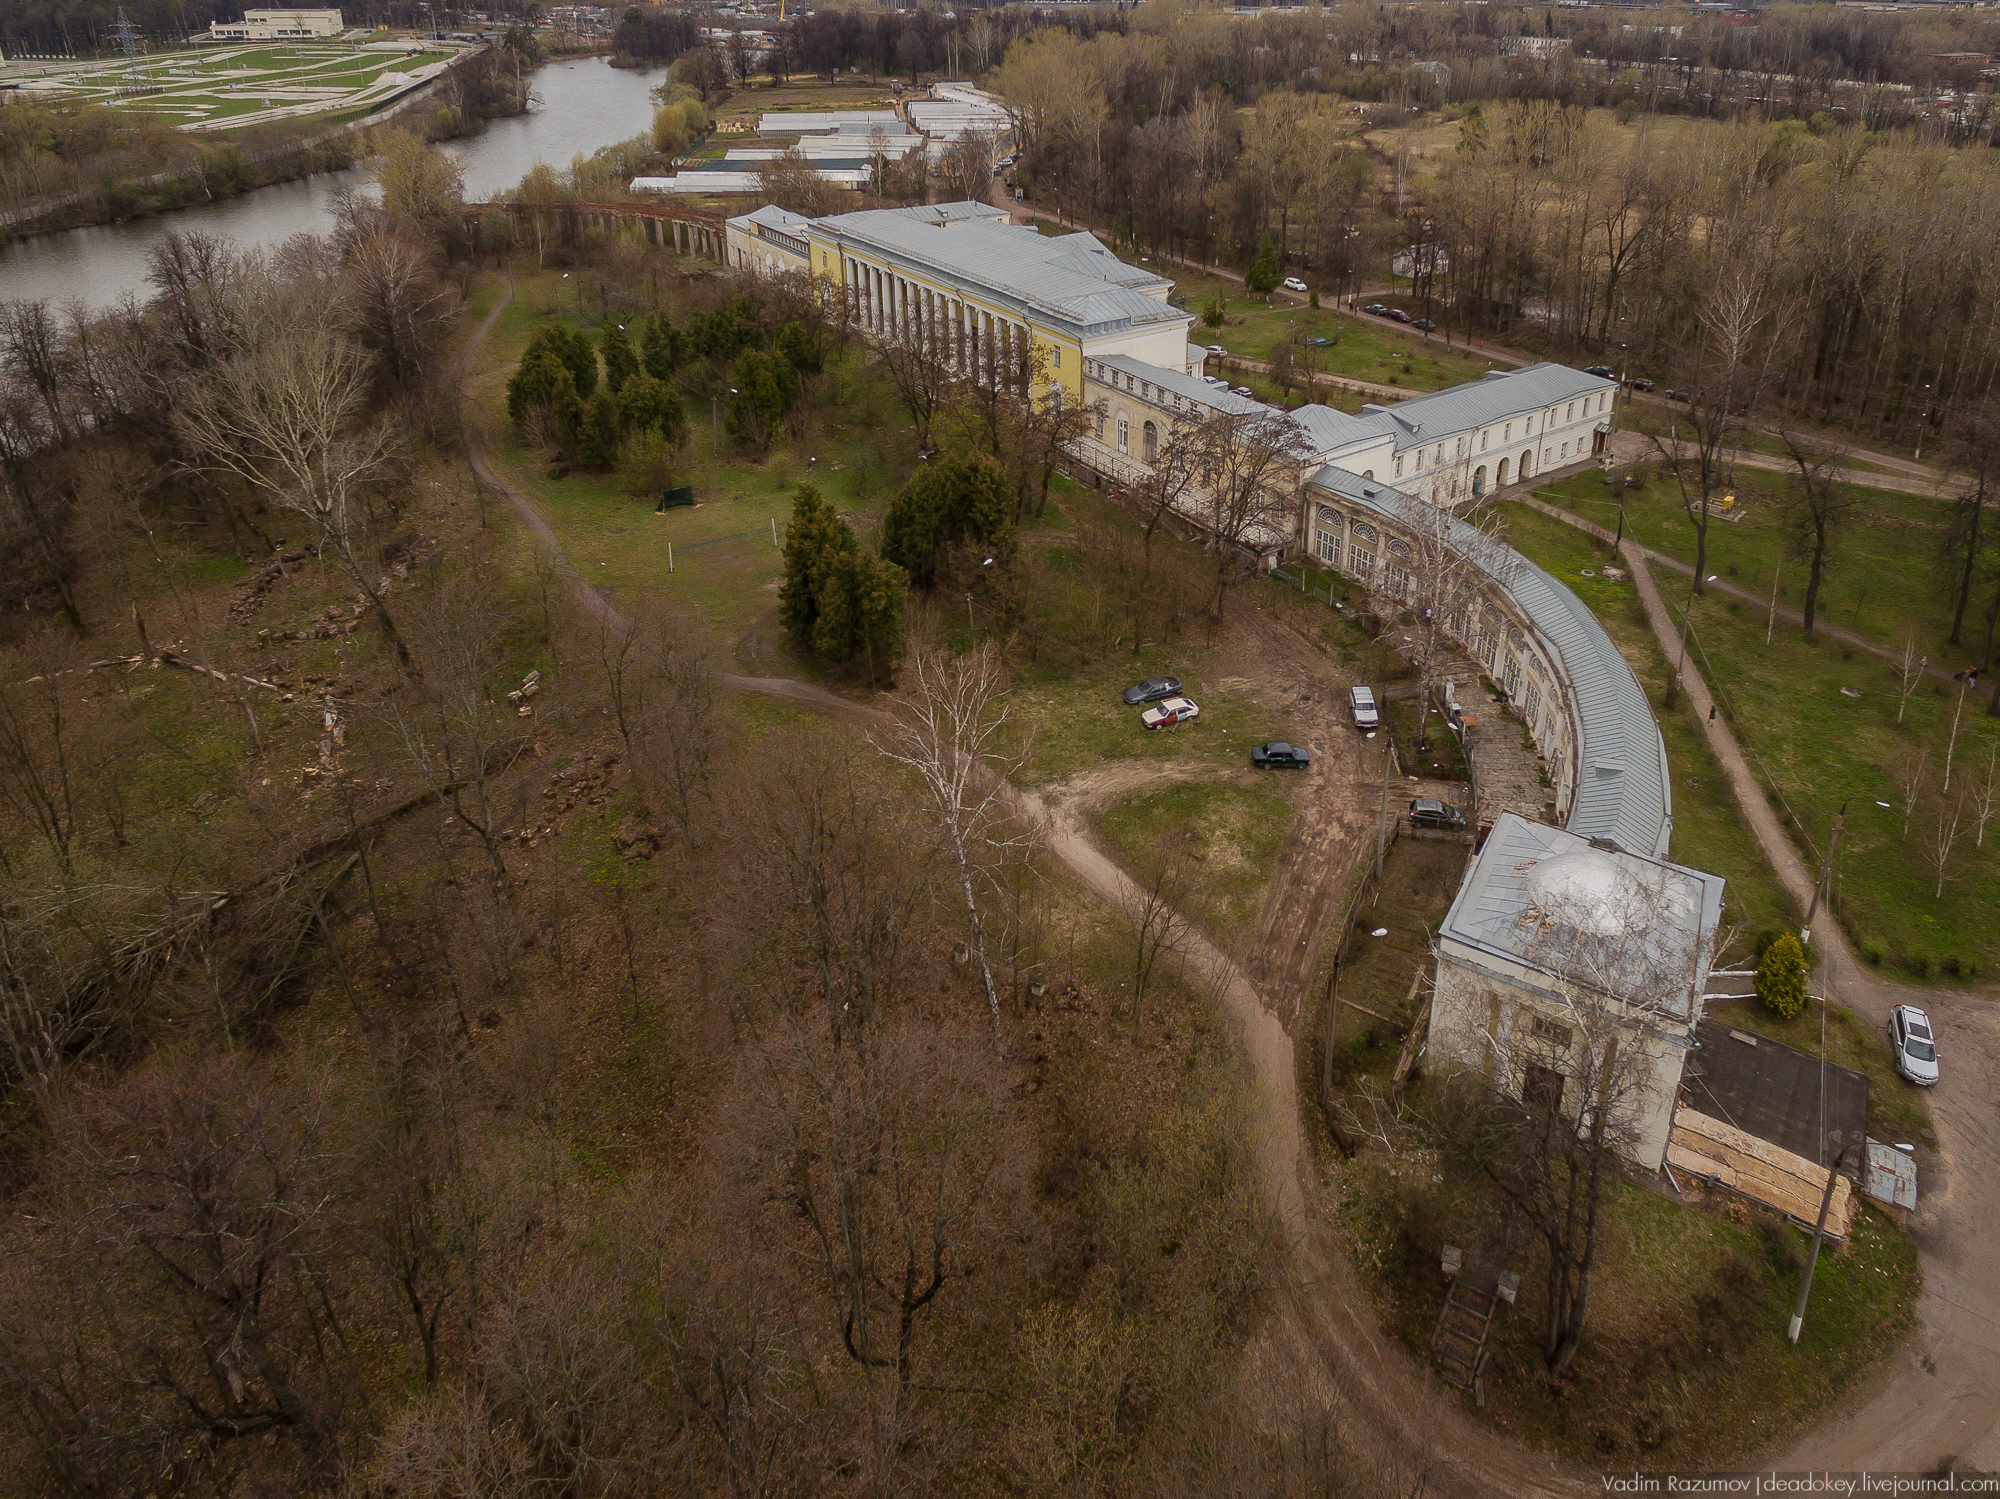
1427 812
1377 309
1395 314
1602 371
1423 325
1278 755
1152 690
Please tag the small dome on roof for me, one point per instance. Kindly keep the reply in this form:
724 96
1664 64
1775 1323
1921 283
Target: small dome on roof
1594 891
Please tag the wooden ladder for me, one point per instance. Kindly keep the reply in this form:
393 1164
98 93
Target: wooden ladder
1460 1340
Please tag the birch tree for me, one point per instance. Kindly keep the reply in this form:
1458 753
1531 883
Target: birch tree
951 729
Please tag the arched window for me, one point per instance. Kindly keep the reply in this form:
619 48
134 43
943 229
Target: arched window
1368 473
1500 477
1329 517
1150 440
1364 533
1399 549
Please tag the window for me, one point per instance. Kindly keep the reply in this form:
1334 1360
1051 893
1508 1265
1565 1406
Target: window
1569 412
1123 444
1542 1088
1150 441
1327 546
1328 516
1399 468
1058 358
1507 433
1565 452
1368 473
1482 441
1364 532
1359 561
1100 422
1420 460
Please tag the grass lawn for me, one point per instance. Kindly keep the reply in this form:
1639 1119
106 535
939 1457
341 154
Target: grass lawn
1355 348
1879 580
1235 830
725 565
1786 705
1684 1361
1079 722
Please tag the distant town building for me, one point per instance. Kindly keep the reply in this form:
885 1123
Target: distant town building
1544 47
277 26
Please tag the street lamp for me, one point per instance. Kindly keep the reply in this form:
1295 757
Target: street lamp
1923 420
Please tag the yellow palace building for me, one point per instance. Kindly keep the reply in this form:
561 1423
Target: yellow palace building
999 300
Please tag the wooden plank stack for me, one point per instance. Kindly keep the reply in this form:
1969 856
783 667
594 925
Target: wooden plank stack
1702 1147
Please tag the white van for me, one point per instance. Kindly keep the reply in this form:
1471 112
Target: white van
1362 701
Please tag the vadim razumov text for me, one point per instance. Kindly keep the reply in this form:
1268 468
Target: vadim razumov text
1840 1484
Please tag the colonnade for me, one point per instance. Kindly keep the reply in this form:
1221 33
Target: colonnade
974 342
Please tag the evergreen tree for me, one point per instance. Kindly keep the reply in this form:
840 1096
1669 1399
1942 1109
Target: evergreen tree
532 386
952 500
799 349
572 348
763 389
597 442
662 346
647 405
860 613
1781 976
1262 277
815 541
620 362
726 332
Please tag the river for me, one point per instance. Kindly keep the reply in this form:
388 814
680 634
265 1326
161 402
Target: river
582 105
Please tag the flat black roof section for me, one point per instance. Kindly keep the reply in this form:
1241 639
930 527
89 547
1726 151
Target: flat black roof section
1767 1089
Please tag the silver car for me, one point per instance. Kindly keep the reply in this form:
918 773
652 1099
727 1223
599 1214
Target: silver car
1915 1046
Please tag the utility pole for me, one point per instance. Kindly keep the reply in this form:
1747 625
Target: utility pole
1819 1231
1382 832
1825 872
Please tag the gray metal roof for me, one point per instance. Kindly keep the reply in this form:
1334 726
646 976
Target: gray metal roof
1480 403
771 216
1623 790
1543 904
1070 278
1188 387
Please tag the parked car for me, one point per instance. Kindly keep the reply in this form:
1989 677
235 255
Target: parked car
1217 350
1215 380
1170 711
1428 812
1278 755
1395 314
1244 391
1292 283
1152 690
1915 1047
1602 371
1679 395
1361 703
1423 325
1376 309
1639 383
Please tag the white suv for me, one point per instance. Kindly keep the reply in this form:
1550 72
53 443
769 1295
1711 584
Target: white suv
1292 283
1915 1047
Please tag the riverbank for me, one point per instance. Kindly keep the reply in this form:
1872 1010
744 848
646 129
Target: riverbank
478 86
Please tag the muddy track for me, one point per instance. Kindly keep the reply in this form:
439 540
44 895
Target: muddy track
1322 1348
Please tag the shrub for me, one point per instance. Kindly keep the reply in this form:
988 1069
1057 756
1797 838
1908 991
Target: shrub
1262 277
1950 966
1919 964
1873 954
1781 977
621 361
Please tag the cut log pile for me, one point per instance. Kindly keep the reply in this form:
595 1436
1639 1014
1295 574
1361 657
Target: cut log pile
1706 1148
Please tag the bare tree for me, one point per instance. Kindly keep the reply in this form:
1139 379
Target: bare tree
1250 467
1157 915
967 168
286 417
1909 668
1908 771
1815 509
951 728
1982 799
1944 836
1957 716
925 380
